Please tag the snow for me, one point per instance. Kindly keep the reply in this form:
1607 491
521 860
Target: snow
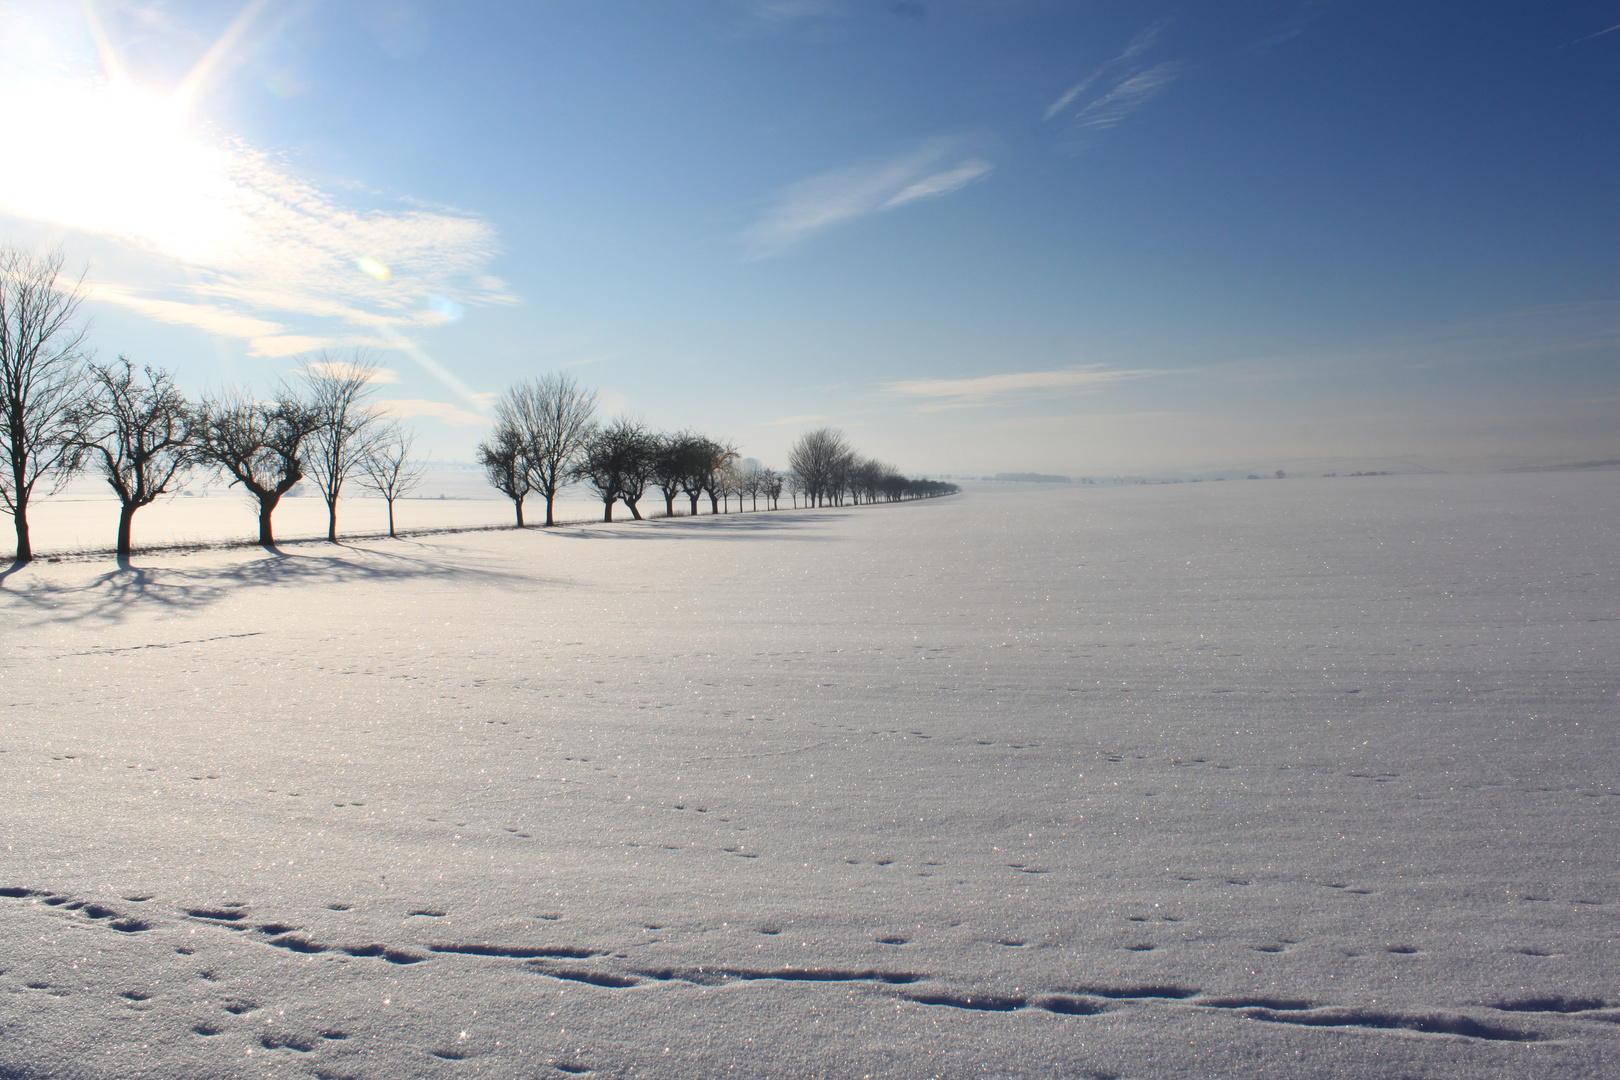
1303 778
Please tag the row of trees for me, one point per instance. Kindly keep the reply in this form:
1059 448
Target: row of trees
61 413
546 437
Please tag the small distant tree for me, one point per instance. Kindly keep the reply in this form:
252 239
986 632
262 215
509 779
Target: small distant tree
696 459
728 481
138 431
639 459
716 462
387 467
258 444
41 359
668 468
750 483
337 392
503 456
770 485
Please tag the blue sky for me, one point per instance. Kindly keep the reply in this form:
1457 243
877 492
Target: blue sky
980 235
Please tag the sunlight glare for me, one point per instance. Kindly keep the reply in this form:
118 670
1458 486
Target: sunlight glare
118 160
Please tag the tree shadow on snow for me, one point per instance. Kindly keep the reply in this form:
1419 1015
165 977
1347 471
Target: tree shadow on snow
129 589
718 526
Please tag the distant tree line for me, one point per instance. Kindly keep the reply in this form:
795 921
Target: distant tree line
62 413
546 437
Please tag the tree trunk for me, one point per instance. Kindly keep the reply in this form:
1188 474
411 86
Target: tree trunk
669 505
607 508
518 503
694 499
635 511
126 518
548 510
267 538
390 519
25 550
331 519
714 503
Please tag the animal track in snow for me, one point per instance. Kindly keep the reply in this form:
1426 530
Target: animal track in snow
276 1040
1550 1003
714 976
516 952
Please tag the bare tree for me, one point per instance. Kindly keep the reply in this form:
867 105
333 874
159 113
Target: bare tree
728 481
751 483
640 458
554 417
616 464
139 432
41 356
387 467
504 458
696 458
668 467
770 486
338 392
715 460
819 458
258 444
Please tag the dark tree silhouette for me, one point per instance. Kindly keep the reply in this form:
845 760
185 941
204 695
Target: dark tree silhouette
616 464
670 468
41 359
506 464
820 459
139 433
258 444
715 462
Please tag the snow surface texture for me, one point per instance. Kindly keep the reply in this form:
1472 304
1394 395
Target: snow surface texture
1289 779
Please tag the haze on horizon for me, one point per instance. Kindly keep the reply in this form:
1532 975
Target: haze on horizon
978 236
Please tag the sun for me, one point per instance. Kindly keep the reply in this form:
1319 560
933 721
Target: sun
116 159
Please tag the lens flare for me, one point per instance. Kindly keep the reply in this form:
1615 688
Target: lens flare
444 307
374 269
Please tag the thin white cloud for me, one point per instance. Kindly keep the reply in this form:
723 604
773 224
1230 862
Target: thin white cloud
997 389
338 369
940 183
1128 95
209 317
444 411
1134 48
1126 86
809 206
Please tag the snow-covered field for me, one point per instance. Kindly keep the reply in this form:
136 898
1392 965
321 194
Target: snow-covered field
1311 778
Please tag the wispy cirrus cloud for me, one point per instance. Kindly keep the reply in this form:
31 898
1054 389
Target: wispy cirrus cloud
831 198
982 390
443 411
1114 91
342 369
